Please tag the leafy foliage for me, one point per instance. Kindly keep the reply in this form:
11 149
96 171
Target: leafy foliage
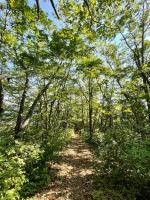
89 71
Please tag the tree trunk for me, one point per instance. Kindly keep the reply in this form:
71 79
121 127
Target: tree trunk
31 109
50 113
82 115
26 121
21 107
1 98
90 110
46 108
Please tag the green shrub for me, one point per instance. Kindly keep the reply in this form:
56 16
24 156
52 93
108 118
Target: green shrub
23 169
14 158
37 170
125 160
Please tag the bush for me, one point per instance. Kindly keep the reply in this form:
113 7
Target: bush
14 157
37 170
125 160
23 168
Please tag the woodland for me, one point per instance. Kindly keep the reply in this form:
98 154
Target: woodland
84 71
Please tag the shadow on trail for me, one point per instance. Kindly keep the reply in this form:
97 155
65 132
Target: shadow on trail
74 179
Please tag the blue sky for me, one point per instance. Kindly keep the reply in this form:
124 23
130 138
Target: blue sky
45 5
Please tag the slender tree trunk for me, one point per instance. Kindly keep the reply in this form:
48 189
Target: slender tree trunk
101 123
90 110
82 114
37 99
46 108
41 111
140 61
147 96
41 118
21 107
50 113
31 109
1 98
95 120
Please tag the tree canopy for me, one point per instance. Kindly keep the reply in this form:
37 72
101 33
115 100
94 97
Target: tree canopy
89 72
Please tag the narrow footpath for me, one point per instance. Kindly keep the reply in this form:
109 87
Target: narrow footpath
74 180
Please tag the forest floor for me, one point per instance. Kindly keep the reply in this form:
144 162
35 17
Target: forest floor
74 177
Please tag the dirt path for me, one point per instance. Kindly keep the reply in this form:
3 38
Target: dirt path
75 172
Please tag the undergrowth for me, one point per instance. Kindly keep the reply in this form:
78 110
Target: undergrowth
26 166
123 170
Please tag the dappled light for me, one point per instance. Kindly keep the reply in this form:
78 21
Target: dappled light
74 177
74 100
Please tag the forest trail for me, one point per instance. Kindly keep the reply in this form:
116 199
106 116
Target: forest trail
74 174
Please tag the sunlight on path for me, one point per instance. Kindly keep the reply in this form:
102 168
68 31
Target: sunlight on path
74 174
